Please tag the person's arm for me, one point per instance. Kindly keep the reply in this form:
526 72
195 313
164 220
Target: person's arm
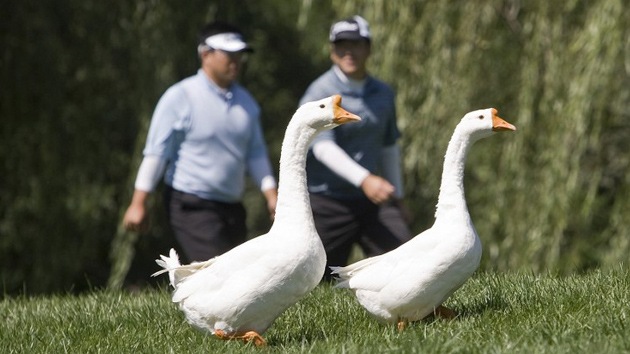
260 170
149 173
136 216
376 188
259 167
390 165
271 195
172 113
338 161
391 168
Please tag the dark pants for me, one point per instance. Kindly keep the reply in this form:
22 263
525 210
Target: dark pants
342 223
204 228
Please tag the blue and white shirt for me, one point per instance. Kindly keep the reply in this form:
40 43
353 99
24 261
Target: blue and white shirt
362 141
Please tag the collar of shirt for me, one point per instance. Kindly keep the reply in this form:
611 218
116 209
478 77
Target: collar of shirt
225 93
356 86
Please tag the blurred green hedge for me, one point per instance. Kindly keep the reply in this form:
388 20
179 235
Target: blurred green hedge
81 78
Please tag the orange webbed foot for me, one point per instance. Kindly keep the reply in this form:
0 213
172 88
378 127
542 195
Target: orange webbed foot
254 337
250 336
401 325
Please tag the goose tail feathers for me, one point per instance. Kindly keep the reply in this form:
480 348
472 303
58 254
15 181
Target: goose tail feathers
342 281
344 274
176 271
169 265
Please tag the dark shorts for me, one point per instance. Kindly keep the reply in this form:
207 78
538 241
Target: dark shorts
204 228
342 223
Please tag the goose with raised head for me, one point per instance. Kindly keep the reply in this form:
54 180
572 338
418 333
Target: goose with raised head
240 293
413 280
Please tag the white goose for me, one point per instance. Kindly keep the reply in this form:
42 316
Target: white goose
413 280
239 294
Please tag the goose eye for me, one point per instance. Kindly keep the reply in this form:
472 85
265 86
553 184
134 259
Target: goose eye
481 116
322 105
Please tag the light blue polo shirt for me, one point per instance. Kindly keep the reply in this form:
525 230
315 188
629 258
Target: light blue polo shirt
208 137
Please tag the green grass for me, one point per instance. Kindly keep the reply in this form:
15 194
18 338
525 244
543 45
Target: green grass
499 313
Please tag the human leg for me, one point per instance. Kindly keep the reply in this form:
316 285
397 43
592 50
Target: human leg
337 227
203 228
383 229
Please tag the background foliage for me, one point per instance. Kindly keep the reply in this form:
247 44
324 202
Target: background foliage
80 80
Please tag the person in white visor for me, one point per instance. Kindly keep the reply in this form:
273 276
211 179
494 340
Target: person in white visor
205 137
354 171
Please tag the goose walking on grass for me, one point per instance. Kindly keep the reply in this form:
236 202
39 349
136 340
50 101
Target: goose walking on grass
413 280
240 293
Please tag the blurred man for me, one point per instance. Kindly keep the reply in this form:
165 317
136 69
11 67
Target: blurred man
354 173
205 133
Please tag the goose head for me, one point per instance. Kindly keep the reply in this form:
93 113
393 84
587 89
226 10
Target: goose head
483 123
324 114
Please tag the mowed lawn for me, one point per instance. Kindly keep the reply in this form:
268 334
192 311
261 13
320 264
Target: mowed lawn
499 313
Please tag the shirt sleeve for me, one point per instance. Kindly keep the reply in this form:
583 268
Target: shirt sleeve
391 169
338 161
171 115
149 173
258 163
260 170
391 133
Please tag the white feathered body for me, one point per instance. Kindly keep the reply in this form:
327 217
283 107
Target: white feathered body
411 281
247 288
414 279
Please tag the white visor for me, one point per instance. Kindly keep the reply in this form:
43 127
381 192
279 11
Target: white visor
229 42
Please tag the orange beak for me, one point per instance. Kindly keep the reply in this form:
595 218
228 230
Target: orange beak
499 124
341 115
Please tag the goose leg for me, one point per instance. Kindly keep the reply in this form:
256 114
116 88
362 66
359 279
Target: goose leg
401 325
440 311
250 336
445 312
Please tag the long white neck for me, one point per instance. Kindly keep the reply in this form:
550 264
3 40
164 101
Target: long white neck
293 201
452 197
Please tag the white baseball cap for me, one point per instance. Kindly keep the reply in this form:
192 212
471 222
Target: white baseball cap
228 42
353 29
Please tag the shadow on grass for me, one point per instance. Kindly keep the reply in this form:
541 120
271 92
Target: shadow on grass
493 303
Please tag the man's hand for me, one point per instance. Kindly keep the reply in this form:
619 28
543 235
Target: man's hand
136 218
271 195
377 189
